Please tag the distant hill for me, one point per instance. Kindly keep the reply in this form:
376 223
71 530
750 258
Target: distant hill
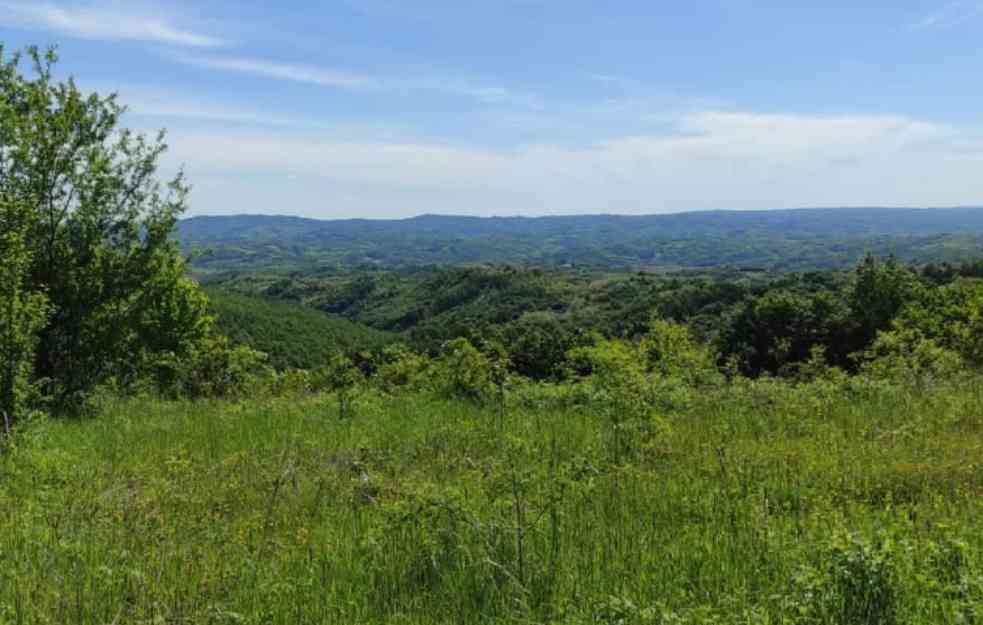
773 239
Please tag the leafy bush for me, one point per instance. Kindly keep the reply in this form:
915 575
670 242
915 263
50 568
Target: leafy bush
907 356
213 368
401 369
22 314
623 392
670 351
462 371
856 584
951 316
341 377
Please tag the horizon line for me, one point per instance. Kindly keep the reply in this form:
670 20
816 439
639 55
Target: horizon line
580 215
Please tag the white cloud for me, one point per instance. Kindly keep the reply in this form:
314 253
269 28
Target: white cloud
156 102
952 14
714 160
327 77
103 22
285 71
149 108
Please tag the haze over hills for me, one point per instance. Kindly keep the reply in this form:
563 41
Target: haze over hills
775 239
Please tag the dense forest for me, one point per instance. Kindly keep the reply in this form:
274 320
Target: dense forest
291 337
255 439
760 322
776 240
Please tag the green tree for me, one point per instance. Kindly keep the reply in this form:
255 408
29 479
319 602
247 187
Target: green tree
776 331
878 291
950 317
401 369
538 343
670 351
907 355
22 313
464 372
98 230
622 390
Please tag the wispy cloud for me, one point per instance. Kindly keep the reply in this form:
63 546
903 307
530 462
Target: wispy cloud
952 14
100 22
151 107
155 102
340 79
285 71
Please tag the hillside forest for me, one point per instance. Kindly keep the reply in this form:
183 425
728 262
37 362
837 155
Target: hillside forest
784 240
235 436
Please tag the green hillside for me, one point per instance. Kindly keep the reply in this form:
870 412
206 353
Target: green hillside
292 336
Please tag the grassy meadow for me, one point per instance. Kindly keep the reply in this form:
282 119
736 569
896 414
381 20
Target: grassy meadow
757 502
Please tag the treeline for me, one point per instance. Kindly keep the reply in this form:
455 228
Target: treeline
468 325
429 306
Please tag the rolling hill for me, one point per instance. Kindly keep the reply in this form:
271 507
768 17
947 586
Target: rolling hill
774 239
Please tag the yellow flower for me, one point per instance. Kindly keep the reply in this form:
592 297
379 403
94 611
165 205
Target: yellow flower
303 535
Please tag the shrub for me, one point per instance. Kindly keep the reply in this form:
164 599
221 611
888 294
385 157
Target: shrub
624 393
862 582
950 316
341 377
670 351
855 584
213 368
905 355
402 369
463 372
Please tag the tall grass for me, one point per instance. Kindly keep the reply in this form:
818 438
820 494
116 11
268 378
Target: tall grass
762 503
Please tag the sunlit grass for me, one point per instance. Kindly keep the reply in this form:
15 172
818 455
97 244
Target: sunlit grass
763 503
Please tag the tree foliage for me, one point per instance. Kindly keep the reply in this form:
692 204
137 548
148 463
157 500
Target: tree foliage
778 329
670 350
97 227
22 312
463 371
292 336
878 291
951 316
764 323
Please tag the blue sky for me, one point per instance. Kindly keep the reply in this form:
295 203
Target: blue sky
391 108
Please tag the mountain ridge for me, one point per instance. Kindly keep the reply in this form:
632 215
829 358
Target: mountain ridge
779 238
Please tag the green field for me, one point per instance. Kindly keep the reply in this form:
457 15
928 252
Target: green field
757 502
